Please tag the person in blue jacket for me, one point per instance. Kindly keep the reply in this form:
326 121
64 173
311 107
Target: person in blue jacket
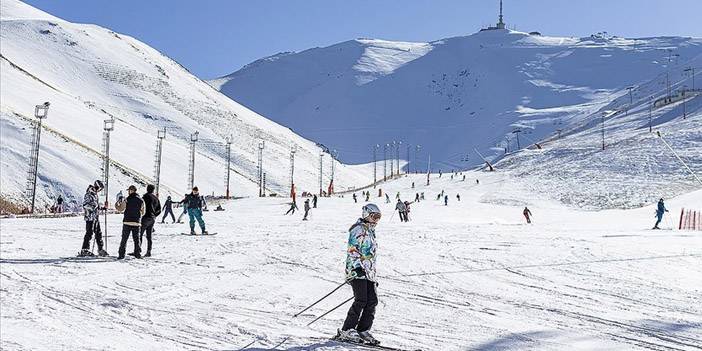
659 213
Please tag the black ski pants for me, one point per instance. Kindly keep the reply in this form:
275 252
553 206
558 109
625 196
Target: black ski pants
126 230
147 225
92 227
166 213
362 312
306 213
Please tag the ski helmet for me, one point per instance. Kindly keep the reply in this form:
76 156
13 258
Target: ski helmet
368 209
98 185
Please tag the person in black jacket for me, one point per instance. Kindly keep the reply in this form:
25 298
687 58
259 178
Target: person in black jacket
152 208
168 209
133 208
195 203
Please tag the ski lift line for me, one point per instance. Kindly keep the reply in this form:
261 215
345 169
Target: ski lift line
557 264
678 157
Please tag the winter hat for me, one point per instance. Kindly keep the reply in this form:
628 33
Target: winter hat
150 188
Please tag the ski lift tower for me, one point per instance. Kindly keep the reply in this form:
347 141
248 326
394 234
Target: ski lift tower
108 127
191 167
160 135
416 157
375 165
228 142
292 171
321 157
40 112
261 190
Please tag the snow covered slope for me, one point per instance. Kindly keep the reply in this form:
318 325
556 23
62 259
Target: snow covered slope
467 276
90 74
451 95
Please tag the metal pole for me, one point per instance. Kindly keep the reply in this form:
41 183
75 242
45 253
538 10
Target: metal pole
40 112
407 171
385 162
229 162
261 145
650 118
108 127
191 173
392 159
292 170
603 138
160 135
334 155
321 156
397 153
684 102
428 169
416 157
693 76
375 165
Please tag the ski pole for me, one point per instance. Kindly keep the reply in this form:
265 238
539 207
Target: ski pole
320 300
330 311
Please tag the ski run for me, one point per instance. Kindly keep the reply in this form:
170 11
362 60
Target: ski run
468 275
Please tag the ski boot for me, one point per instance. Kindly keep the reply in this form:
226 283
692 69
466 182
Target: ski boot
86 253
204 232
350 335
192 231
102 253
368 338
148 254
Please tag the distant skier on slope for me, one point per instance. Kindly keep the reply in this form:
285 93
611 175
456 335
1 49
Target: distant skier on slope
659 213
314 201
355 199
400 208
458 197
133 209
527 214
293 207
407 210
168 209
91 212
360 272
387 198
446 200
59 204
416 197
307 209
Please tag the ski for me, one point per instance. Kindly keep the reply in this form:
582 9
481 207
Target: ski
198 234
370 346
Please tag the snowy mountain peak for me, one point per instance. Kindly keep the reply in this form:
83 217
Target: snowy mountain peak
17 10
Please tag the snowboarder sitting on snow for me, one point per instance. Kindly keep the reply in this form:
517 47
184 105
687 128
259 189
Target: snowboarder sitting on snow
195 202
168 209
360 273
91 208
133 209
307 209
153 208
527 214
659 213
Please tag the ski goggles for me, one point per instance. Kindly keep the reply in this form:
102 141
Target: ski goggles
374 216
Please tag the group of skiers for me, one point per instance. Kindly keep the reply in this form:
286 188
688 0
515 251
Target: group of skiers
139 217
403 209
293 207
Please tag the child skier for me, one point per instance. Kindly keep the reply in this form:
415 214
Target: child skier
168 209
659 213
360 272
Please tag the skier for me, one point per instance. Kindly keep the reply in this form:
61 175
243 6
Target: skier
446 200
416 197
293 207
397 196
195 203
168 209
360 272
314 201
464 178
407 210
458 197
355 200
400 207
412 185
527 214
477 181
183 202
91 212
307 209
133 208
59 204
660 212
152 207
367 196
387 198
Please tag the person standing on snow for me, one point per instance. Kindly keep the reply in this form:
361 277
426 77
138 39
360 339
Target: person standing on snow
307 209
368 196
59 204
387 198
400 207
355 200
659 213
527 214
361 275
293 207
91 212
152 209
168 209
133 209
195 202
446 200
416 197
407 210
458 197
183 202
314 201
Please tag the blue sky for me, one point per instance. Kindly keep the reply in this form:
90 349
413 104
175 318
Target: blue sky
216 37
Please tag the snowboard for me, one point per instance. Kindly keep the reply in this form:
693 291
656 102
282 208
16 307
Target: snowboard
208 234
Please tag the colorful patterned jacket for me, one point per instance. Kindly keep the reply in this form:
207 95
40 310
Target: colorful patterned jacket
361 251
90 205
